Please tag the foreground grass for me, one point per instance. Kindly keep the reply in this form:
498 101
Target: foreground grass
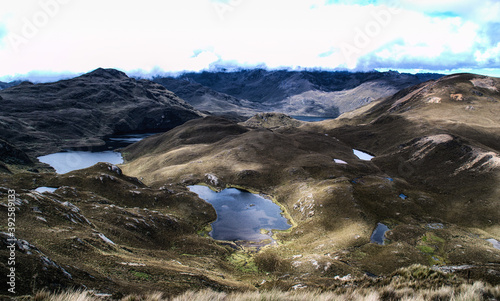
465 292
413 283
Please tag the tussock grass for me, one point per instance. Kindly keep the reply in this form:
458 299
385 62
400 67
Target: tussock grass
465 292
66 296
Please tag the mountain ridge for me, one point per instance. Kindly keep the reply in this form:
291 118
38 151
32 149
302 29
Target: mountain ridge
83 110
309 93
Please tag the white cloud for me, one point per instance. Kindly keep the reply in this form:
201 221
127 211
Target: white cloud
152 35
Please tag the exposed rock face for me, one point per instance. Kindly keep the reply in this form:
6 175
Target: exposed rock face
307 93
43 118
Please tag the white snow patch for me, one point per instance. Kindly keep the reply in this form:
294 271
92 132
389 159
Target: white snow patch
338 161
362 155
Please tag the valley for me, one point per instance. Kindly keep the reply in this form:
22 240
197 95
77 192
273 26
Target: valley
300 93
403 183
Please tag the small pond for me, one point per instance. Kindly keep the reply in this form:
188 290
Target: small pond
378 235
241 215
45 189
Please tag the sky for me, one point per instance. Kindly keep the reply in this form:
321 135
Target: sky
45 39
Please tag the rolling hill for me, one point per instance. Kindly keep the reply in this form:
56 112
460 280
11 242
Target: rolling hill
79 112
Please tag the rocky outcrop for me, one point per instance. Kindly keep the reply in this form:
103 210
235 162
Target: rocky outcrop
272 120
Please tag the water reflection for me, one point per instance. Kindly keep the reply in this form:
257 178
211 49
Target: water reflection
378 235
241 215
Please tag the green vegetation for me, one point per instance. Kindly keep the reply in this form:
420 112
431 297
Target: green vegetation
141 275
426 249
243 261
434 247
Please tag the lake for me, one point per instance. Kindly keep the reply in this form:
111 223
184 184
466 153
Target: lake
65 162
311 118
241 215
70 160
119 141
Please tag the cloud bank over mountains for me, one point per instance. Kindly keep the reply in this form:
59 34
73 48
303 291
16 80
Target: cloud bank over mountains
67 36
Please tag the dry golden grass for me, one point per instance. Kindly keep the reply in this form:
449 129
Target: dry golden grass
466 292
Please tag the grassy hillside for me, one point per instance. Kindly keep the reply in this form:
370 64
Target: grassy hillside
136 228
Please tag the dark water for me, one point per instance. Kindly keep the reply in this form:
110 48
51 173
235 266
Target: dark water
311 118
119 141
378 235
241 215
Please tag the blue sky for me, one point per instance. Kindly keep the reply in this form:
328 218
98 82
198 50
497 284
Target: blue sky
53 38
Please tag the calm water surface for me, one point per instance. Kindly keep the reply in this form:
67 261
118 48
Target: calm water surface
67 161
241 215
311 118
378 235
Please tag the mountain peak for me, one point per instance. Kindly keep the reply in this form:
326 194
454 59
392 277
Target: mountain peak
107 73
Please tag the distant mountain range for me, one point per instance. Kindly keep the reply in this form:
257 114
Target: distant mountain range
305 93
9 84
